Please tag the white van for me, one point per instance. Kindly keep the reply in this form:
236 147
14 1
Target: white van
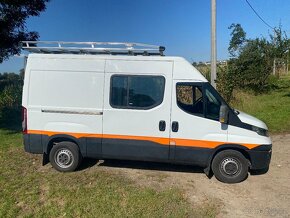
133 103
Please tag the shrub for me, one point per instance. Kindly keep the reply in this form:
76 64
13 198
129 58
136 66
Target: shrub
225 83
10 97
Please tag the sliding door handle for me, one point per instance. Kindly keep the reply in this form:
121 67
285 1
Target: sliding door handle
174 126
162 125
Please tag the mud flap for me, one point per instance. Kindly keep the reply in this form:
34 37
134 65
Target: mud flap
45 159
208 172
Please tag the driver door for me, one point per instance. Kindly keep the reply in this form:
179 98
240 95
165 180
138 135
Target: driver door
195 127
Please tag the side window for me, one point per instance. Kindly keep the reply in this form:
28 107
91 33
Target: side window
119 92
139 92
190 99
213 105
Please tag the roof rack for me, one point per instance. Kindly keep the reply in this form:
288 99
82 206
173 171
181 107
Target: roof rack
113 48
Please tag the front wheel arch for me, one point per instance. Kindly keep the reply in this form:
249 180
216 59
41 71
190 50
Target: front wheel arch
240 148
230 166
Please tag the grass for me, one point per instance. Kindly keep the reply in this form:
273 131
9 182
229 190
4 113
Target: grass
273 107
30 190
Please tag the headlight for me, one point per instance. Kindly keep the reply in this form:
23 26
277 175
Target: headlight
260 131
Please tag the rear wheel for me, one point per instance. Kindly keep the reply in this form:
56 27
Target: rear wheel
65 156
230 166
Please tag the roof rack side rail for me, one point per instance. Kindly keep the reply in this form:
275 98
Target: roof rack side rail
115 48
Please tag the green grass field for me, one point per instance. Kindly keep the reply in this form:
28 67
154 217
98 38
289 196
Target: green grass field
30 190
272 107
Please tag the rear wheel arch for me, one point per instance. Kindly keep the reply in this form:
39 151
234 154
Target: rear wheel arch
65 156
52 140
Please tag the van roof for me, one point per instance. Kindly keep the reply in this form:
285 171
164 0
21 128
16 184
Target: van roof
110 57
182 66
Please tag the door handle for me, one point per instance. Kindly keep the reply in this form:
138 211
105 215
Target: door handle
174 126
162 125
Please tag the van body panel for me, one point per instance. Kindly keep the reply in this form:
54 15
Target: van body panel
240 135
185 71
246 118
68 97
64 94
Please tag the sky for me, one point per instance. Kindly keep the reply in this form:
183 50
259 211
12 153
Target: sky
182 26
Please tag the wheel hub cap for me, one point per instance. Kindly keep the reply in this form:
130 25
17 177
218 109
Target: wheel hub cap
64 158
230 166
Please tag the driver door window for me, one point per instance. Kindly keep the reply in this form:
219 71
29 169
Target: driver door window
213 105
198 100
190 98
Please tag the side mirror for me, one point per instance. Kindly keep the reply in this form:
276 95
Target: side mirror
224 114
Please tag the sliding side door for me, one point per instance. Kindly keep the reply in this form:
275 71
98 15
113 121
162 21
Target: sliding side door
137 109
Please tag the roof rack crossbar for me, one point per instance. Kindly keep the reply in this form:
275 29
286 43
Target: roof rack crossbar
92 47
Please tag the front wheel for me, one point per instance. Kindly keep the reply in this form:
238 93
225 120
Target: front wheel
65 156
230 166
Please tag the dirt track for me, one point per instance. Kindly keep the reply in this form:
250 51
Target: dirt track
265 195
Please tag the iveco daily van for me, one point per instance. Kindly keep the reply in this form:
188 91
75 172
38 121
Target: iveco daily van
129 101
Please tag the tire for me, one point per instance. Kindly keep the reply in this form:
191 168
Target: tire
230 166
65 156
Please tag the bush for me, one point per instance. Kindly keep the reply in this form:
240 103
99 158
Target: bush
225 83
251 65
205 70
10 97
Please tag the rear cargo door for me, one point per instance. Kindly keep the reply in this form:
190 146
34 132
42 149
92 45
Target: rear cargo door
137 109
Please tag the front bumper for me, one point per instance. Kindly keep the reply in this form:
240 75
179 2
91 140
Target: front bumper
260 157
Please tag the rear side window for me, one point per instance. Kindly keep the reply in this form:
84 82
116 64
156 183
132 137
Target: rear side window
136 92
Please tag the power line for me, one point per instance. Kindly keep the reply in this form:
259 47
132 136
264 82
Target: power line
258 15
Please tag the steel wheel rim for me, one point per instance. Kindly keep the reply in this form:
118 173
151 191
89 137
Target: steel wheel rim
64 158
230 167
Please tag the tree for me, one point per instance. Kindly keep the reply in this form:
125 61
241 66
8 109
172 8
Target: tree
253 66
252 61
13 30
280 43
10 97
194 63
238 39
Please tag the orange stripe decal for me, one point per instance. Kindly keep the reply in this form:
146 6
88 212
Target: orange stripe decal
197 143
159 140
76 135
163 141
206 144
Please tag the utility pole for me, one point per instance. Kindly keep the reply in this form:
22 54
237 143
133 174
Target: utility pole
274 63
213 43
287 61
274 67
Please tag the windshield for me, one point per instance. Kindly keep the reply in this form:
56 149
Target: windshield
215 97
213 105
